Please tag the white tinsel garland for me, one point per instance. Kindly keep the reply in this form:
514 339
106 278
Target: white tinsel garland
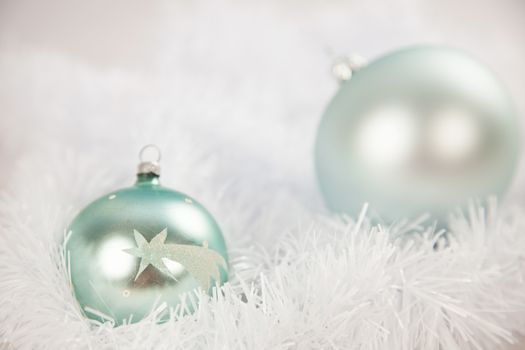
332 284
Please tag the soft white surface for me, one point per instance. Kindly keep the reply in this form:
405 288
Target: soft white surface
232 92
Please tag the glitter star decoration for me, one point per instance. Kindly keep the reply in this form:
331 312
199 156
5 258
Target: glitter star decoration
201 262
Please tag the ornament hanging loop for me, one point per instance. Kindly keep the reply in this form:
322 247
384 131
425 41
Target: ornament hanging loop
149 157
345 66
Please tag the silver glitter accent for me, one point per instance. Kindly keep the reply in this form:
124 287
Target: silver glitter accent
200 262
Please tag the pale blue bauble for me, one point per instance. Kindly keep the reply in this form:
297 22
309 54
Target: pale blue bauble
422 129
137 248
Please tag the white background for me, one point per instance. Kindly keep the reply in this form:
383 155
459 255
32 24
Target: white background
244 80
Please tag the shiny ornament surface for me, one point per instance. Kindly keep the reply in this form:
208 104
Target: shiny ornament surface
420 130
135 248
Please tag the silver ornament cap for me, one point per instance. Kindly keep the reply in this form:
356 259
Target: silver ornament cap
149 156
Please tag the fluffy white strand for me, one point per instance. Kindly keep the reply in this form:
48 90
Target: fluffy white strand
330 284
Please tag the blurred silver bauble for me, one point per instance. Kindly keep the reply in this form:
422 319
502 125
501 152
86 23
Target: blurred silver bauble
420 130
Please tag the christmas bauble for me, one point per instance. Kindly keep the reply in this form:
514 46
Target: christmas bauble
420 130
136 248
